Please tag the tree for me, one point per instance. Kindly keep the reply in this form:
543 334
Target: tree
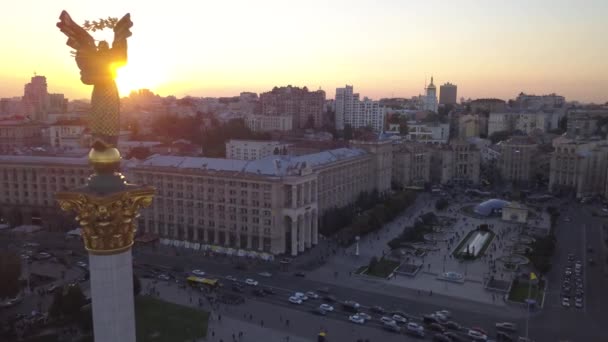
499 136
441 204
348 132
73 300
372 263
563 123
136 285
10 271
56 309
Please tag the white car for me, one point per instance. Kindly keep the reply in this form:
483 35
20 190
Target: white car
415 328
230 278
365 316
387 320
251 282
300 295
326 307
295 300
445 313
356 319
476 335
578 304
399 318
566 302
198 273
440 316
43 255
312 295
352 304
164 277
265 274
81 264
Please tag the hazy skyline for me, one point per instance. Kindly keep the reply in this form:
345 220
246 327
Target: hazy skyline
383 48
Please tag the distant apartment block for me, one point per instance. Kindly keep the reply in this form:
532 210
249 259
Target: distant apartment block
448 94
488 106
67 134
253 149
411 164
306 107
460 162
350 110
518 159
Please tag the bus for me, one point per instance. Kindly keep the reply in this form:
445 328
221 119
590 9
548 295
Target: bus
198 281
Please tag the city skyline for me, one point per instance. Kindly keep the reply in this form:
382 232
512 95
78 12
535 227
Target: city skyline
487 50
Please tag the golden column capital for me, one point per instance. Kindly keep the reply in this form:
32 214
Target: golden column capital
108 222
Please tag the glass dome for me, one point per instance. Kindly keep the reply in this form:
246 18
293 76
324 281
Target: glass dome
490 206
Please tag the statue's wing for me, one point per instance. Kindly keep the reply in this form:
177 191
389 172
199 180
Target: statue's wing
78 38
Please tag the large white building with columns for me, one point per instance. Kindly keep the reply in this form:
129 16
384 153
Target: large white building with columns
269 205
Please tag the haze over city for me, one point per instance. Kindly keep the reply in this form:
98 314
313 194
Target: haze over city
387 48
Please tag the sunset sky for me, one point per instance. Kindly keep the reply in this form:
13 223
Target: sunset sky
384 48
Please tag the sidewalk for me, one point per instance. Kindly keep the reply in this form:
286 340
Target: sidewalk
225 329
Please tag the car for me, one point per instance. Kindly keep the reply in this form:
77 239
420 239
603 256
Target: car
11 302
567 272
237 288
392 327
163 276
320 312
506 326
268 290
326 307
578 305
385 320
399 319
356 319
570 257
351 303
265 274
42 256
300 274
428 319
378 309
503 336
415 329
81 264
329 298
230 278
365 316
480 330
580 292
565 302
477 335
300 295
251 282
453 325
52 288
441 317
445 313
439 337
591 262
25 257
312 295
567 219
198 273
454 336
31 244
295 300
436 327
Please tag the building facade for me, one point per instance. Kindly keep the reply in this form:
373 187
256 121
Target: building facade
253 149
448 94
578 167
460 163
518 159
29 184
67 134
18 132
435 133
270 205
306 107
269 123
411 164
472 125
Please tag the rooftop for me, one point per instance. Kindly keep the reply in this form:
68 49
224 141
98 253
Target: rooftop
269 166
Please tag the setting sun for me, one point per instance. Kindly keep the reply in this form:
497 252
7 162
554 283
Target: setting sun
136 76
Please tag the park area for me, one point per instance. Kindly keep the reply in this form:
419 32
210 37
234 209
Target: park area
519 291
161 321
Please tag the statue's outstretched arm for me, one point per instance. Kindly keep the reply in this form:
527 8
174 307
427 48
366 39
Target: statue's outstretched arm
122 31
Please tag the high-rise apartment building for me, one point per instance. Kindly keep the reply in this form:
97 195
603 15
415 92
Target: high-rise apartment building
448 94
357 113
306 107
36 99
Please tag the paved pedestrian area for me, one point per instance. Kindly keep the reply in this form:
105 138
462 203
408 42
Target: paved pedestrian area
438 260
